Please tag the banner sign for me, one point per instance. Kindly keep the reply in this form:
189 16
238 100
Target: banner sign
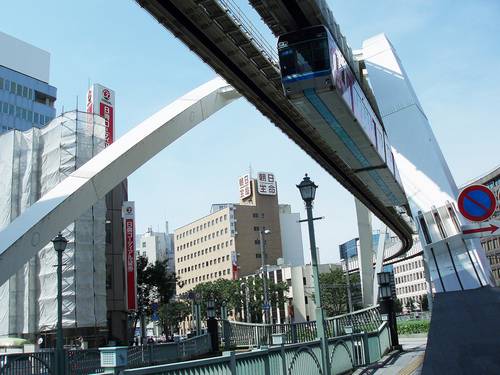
266 183
128 214
234 265
245 186
101 100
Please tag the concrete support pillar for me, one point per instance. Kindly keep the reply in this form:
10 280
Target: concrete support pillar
365 255
379 263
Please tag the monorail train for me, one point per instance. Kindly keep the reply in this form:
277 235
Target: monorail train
320 84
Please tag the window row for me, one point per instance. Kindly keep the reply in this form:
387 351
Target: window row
202 239
205 251
410 277
204 264
409 266
17 89
491 244
208 276
25 114
202 226
411 288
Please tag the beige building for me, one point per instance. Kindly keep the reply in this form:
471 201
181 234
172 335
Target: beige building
226 243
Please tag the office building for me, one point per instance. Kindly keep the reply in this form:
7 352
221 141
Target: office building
491 245
26 98
409 272
226 242
152 245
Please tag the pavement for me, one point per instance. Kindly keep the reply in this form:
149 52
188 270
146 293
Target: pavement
407 362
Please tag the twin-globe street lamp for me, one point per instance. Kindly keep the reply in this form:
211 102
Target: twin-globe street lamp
307 190
60 243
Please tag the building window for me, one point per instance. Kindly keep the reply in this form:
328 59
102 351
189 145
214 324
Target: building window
304 280
257 255
305 300
257 242
255 215
255 229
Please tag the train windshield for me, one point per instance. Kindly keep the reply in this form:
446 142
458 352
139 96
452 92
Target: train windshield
304 57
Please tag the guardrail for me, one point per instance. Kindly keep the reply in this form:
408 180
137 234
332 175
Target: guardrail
239 334
81 362
345 353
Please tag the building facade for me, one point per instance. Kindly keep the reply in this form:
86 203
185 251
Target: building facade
152 245
409 272
26 98
491 245
291 236
226 243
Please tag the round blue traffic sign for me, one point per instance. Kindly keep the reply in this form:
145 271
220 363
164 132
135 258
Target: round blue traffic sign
476 203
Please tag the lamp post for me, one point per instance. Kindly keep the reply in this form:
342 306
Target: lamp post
212 326
60 243
247 302
386 297
307 190
266 306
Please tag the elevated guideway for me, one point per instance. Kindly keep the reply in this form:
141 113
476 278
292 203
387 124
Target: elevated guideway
215 31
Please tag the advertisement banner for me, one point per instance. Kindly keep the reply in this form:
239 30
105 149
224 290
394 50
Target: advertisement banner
101 100
234 261
266 183
128 215
245 186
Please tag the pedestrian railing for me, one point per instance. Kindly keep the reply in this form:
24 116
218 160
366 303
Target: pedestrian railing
345 353
82 362
239 334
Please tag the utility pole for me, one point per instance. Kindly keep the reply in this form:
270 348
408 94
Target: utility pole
266 306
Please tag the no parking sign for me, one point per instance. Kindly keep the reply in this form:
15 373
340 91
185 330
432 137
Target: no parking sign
477 203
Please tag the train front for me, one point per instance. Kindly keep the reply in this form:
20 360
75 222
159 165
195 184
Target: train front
305 60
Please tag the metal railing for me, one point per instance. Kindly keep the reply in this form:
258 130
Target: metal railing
239 334
345 352
81 362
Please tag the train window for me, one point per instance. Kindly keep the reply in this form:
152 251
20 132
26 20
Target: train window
305 57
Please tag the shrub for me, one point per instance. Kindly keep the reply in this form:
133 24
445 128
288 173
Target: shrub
413 326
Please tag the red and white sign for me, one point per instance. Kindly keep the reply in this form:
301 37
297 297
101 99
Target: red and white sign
266 183
245 186
234 261
480 230
477 203
128 214
101 100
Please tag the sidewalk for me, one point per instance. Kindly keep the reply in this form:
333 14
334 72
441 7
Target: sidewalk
408 362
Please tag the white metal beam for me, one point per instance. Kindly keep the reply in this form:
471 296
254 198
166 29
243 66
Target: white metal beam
365 255
41 222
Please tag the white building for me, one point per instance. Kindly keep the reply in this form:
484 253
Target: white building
32 163
291 236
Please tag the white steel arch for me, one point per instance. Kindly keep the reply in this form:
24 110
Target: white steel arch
41 222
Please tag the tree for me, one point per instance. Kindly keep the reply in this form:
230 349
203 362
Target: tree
154 285
172 314
334 295
409 305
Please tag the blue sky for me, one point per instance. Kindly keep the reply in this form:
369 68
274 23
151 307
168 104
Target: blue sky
449 49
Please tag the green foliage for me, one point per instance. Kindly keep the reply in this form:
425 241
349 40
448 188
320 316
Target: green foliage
172 314
334 295
409 327
231 293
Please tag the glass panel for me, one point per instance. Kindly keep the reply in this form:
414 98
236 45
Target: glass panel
306 57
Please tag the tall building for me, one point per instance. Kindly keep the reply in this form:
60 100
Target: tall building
491 245
32 163
409 273
291 236
152 245
26 98
226 242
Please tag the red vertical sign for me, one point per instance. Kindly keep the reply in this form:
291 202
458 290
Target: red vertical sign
106 111
130 263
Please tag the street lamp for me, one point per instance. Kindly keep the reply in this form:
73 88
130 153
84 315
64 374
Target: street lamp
386 296
266 306
307 190
60 243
